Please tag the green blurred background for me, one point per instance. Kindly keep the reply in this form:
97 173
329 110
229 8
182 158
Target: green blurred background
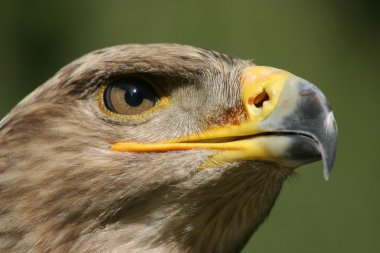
334 44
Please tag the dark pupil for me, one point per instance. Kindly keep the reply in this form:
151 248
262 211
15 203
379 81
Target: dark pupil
134 95
136 91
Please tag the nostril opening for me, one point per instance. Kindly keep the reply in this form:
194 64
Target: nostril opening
260 99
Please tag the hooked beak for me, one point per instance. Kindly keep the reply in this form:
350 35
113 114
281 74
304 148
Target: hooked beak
288 121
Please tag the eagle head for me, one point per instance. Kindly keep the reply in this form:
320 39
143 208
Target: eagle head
155 148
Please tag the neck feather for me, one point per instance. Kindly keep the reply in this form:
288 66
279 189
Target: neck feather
194 216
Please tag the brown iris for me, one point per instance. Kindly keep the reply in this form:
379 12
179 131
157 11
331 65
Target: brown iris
129 96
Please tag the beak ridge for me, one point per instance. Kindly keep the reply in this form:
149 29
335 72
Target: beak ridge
303 109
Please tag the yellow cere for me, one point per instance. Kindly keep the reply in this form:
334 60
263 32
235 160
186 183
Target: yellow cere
164 101
257 79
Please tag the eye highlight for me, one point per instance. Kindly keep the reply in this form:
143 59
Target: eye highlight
129 97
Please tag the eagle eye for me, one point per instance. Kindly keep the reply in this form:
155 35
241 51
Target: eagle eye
129 96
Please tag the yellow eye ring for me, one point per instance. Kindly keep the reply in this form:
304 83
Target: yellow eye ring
163 102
